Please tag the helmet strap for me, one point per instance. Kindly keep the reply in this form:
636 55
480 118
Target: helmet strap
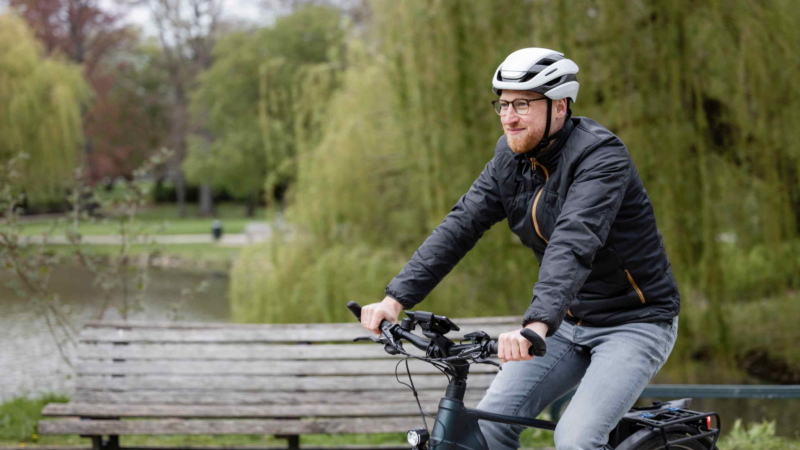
546 138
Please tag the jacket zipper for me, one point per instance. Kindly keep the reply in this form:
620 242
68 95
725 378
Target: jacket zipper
638 291
580 321
536 200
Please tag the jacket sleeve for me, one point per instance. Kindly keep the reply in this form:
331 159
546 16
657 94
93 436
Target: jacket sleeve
593 200
473 214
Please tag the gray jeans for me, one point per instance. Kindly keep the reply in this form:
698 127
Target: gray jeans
620 363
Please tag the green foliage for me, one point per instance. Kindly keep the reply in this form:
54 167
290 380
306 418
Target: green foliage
758 436
759 271
701 93
247 97
40 111
19 417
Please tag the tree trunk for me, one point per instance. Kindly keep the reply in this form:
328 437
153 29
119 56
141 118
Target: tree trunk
252 203
180 190
206 201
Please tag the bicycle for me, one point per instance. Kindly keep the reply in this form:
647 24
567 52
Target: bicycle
668 425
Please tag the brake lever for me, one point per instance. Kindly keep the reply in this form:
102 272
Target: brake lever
375 339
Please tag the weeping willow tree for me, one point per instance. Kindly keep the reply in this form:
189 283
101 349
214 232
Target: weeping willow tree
704 95
701 92
40 114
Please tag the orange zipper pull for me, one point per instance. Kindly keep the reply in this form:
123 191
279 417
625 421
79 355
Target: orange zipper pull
537 163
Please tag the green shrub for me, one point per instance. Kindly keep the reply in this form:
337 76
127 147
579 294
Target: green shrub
758 436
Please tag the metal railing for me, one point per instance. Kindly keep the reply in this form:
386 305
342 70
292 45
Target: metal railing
701 391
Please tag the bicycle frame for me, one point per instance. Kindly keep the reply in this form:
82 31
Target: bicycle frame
456 426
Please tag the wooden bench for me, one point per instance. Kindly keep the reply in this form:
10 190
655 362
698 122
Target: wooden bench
213 379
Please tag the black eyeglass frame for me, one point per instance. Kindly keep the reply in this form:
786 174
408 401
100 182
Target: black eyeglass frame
498 106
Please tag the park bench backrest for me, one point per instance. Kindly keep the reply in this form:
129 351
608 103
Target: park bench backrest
235 371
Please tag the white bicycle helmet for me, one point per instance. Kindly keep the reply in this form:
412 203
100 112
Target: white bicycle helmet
539 70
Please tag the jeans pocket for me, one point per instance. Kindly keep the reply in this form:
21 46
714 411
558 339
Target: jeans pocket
670 337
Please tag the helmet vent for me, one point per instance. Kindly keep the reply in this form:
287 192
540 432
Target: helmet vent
548 73
528 77
548 61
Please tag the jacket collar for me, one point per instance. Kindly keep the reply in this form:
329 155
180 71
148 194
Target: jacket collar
549 158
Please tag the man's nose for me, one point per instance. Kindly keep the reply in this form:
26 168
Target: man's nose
510 118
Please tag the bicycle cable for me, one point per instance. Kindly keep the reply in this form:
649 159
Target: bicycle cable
416 395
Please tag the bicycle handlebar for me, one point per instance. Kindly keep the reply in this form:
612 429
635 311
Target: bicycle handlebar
537 348
419 342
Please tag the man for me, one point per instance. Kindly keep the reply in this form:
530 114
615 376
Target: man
606 300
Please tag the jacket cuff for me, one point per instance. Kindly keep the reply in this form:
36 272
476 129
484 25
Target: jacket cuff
407 304
535 315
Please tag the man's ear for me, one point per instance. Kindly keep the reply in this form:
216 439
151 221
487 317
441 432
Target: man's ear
560 108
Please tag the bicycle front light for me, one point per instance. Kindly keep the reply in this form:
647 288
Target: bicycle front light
417 436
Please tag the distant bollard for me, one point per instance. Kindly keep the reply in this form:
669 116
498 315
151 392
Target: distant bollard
216 229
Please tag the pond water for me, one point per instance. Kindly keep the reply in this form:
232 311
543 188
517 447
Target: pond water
30 362
785 413
29 358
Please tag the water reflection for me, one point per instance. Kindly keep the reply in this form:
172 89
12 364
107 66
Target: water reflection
29 358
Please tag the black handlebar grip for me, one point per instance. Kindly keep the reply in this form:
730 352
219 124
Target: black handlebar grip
538 346
493 346
355 308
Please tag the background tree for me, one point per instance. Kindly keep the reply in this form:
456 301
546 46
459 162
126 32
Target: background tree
187 32
247 96
90 35
79 29
131 111
40 112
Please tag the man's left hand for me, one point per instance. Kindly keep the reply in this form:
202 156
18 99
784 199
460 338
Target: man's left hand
512 346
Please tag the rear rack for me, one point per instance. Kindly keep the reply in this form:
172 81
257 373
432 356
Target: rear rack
664 419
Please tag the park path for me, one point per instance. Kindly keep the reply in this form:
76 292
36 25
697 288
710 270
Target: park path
232 240
254 232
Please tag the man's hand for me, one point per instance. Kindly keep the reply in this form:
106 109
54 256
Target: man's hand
513 346
372 315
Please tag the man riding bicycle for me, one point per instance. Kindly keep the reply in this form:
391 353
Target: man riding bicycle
606 300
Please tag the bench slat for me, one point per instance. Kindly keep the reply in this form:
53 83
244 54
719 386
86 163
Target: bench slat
178 426
247 352
371 409
275 326
265 384
341 333
265 398
376 367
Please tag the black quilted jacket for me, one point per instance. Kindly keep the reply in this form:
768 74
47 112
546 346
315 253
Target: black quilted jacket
581 207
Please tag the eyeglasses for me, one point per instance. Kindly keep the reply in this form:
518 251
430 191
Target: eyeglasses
520 105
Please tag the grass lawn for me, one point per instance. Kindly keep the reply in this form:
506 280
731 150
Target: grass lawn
232 216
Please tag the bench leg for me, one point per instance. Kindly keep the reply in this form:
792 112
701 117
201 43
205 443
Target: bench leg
98 443
293 440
